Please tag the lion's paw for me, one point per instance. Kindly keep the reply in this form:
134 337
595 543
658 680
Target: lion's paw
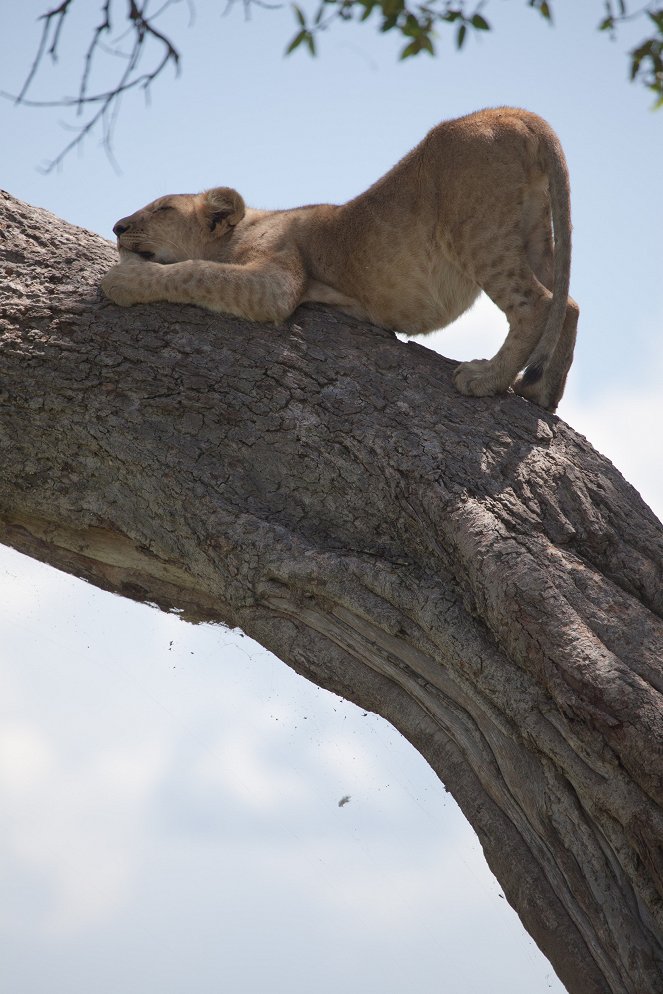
126 284
476 379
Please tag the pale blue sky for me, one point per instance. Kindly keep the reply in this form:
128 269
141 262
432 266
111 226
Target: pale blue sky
169 815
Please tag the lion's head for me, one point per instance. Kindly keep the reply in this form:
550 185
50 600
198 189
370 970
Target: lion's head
181 226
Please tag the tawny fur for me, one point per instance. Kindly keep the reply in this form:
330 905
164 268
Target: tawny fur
472 208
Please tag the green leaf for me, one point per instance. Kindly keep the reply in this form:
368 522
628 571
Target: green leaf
412 49
480 23
297 40
310 41
637 56
460 36
392 8
299 15
607 24
543 8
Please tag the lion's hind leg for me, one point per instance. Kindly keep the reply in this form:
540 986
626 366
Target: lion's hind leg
503 271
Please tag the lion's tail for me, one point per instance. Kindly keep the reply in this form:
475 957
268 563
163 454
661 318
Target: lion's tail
560 202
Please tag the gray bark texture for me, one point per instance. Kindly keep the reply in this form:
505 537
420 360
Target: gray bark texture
470 569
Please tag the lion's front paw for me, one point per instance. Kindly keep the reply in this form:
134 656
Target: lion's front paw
124 284
477 379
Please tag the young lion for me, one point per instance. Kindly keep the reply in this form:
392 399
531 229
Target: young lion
469 209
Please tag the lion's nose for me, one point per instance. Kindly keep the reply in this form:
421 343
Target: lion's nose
121 226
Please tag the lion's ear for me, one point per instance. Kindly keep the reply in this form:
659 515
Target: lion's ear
222 204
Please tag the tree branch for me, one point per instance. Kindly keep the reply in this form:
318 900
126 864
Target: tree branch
470 569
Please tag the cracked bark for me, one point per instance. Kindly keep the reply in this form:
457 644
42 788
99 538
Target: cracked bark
472 570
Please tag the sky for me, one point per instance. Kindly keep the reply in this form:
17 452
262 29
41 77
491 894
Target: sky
169 813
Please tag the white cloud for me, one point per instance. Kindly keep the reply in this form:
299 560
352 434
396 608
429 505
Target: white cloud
240 765
26 762
623 422
77 827
347 760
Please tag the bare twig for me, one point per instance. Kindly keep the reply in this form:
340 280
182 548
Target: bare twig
141 29
89 55
60 12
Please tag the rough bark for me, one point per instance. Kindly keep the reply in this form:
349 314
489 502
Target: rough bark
470 569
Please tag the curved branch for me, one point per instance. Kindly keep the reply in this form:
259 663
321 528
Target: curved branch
470 569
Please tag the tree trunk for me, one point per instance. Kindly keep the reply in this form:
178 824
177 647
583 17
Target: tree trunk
470 569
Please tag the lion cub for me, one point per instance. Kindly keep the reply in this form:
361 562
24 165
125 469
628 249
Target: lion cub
472 208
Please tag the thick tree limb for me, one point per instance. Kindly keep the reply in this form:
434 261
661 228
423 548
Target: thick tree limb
472 570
